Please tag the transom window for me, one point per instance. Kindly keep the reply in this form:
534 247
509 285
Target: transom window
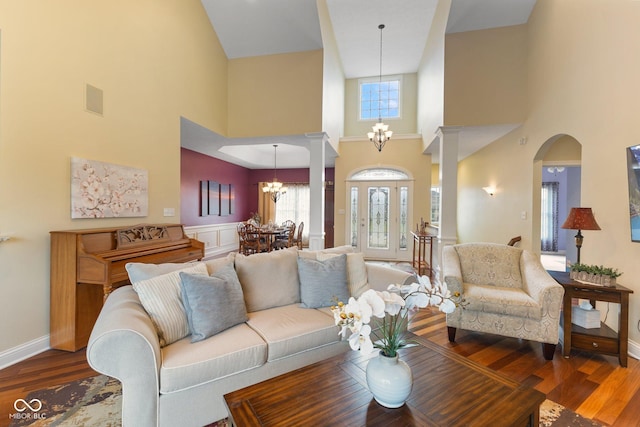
379 174
380 98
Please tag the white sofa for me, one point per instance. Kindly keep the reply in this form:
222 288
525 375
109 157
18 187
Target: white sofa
183 383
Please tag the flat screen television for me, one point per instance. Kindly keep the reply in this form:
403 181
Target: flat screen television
633 168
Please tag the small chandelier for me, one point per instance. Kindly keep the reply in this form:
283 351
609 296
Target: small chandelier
274 188
381 133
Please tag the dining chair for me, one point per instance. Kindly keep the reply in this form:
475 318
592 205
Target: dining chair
299 238
254 241
286 239
242 236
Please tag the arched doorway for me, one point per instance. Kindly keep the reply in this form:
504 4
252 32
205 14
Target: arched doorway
379 204
557 189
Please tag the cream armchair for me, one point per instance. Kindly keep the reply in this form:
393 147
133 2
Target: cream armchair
508 293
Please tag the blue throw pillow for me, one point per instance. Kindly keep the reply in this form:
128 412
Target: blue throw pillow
212 304
322 283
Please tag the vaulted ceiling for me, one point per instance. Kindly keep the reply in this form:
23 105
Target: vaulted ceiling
263 27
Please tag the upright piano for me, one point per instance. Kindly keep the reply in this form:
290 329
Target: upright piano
86 265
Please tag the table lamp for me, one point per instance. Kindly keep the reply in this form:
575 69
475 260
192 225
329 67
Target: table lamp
580 219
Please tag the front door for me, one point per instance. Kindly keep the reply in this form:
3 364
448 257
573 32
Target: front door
379 218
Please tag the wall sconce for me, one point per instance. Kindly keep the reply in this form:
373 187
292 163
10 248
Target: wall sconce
489 190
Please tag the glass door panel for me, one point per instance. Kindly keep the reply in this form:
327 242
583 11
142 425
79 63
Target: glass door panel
378 218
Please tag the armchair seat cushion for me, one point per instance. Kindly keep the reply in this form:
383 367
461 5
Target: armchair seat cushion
501 300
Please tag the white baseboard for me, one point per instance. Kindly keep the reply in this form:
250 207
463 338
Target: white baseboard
634 349
24 351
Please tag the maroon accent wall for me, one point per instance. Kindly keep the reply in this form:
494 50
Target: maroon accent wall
196 167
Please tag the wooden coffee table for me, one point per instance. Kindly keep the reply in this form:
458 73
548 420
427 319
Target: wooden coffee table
448 390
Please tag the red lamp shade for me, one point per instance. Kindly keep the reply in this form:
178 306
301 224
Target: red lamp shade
581 219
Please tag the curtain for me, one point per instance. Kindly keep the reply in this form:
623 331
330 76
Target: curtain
549 217
294 205
266 206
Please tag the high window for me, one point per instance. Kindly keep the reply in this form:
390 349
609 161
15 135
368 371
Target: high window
380 98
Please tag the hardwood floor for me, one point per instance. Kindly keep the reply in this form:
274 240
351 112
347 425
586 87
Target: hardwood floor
595 386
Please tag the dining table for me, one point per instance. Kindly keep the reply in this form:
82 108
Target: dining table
271 234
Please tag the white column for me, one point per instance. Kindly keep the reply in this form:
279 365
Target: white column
448 174
316 188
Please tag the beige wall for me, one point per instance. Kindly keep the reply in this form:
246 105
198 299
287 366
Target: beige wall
275 94
155 61
405 125
333 80
430 102
564 151
486 75
400 153
582 82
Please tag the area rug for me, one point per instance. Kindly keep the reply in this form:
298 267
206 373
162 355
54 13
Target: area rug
95 402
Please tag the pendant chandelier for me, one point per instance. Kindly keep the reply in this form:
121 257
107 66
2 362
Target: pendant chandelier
381 133
275 189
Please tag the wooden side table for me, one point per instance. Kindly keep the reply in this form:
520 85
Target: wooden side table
599 340
420 242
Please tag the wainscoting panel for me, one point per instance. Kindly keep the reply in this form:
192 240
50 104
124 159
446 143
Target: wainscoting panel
218 239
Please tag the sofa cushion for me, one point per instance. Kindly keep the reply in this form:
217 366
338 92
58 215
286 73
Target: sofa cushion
357 279
292 329
160 297
323 283
269 279
138 271
186 364
500 300
490 264
212 304
216 264
345 249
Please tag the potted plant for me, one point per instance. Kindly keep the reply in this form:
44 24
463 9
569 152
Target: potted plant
597 274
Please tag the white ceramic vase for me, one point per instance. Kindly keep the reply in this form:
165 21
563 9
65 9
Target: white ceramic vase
389 379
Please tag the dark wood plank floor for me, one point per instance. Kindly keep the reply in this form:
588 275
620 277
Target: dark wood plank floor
595 386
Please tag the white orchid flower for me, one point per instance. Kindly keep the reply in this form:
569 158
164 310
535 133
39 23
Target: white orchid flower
447 306
425 283
393 302
417 299
372 304
361 341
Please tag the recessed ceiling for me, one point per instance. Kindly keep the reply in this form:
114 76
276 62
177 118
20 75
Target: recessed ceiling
251 153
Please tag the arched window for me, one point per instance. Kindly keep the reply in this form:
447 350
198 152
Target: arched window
380 174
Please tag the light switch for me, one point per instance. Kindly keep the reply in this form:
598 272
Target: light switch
523 215
169 212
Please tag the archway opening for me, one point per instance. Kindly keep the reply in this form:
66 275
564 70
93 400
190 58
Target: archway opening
557 168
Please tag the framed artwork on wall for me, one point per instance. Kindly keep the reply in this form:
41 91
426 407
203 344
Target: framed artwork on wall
106 190
633 170
204 198
225 200
214 198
